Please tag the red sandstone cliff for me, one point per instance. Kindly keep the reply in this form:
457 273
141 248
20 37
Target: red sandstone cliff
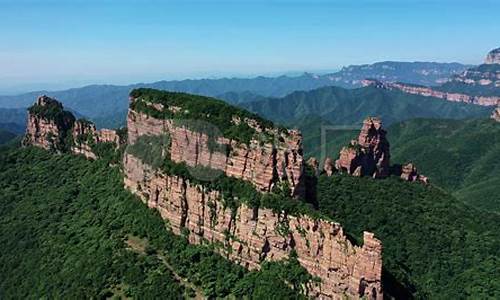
249 236
51 127
47 130
261 163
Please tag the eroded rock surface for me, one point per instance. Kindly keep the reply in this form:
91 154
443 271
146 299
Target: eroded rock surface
262 163
248 236
51 127
409 173
369 155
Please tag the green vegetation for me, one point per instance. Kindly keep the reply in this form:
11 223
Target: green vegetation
67 226
350 107
459 156
153 150
435 247
196 112
53 110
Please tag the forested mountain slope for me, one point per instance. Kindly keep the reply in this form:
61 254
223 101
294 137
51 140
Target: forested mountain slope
69 229
342 106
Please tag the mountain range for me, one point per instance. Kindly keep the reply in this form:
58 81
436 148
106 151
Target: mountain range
102 101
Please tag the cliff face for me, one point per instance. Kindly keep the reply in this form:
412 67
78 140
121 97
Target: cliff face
243 234
249 236
262 163
430 92
47 125
369 155
51 127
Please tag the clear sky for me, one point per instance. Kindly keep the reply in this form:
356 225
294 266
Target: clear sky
72 42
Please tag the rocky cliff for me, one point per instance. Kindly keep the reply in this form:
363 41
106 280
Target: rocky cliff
432 92
51 127
248 235
270 157
493 57
369 155
205 212
48 124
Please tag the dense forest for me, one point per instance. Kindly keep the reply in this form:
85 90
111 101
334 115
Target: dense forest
435 247
460 156
70 230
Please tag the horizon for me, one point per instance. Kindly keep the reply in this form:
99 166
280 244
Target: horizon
98 42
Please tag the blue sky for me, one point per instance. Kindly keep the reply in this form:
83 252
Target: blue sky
74 42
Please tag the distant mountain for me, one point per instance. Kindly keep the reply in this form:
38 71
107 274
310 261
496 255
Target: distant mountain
347 107
13 119
483 80
422 73
102 101
478 85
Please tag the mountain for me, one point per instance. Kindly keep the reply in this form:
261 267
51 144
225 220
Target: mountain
202 181
477 85
483 80
13 119
98 102
66 211
460 156
422 73
347 107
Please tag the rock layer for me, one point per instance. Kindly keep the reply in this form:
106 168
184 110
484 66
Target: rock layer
249 236
262 163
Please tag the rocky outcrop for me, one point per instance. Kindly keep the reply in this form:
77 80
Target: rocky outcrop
369 155
409 173
496 113
493 57
263 163
48 124
248 236
52 128
430 92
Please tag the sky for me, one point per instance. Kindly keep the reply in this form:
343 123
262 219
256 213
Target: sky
53 44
